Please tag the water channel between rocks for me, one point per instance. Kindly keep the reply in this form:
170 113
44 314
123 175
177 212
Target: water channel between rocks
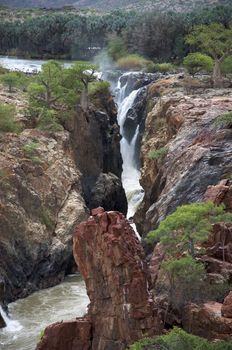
28 317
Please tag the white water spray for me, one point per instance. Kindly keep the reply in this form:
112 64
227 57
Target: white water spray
12 326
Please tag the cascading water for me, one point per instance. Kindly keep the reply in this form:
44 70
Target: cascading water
11 325
131 172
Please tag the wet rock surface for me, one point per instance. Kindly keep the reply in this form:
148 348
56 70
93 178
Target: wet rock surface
111 261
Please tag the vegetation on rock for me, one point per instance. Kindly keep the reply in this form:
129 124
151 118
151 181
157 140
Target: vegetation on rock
177 339
189 225
159 153
224 119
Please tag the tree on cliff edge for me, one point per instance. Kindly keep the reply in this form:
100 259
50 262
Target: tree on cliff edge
182 231
214 40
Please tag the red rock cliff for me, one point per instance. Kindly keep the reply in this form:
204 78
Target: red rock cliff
121 309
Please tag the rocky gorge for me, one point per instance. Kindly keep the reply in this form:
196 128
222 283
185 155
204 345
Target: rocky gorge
195 166
185 157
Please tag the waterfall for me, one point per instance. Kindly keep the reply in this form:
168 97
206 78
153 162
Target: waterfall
11 325
131 173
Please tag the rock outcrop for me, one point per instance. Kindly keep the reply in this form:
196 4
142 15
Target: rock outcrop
206 320
96 145
40 188
193 151
121 310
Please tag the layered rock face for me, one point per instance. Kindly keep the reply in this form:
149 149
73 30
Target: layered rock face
193 151
39 189
121 310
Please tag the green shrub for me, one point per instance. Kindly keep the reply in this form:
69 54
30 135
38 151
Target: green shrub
160 67
31 151
197 62
45 218
224 119
133 62
11 80
48 121
99 94
178 339
159 153
7 119
99 87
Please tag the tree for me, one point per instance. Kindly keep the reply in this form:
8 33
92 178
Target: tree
84 74
189 225
197 62
214 40
48 90
116 47
11 80
186 278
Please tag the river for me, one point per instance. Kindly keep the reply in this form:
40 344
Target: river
25 65
28 317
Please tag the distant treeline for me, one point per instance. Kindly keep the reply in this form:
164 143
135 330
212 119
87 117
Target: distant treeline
157 36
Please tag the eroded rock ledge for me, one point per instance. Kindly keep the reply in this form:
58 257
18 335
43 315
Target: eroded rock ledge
121 309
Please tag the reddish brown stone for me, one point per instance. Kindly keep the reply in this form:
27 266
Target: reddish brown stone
227 306
206 321
68 335
111 259
156 260
216 193
121 310
97 211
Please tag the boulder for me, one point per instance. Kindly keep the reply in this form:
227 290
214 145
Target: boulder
68 335
206 320
108 193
